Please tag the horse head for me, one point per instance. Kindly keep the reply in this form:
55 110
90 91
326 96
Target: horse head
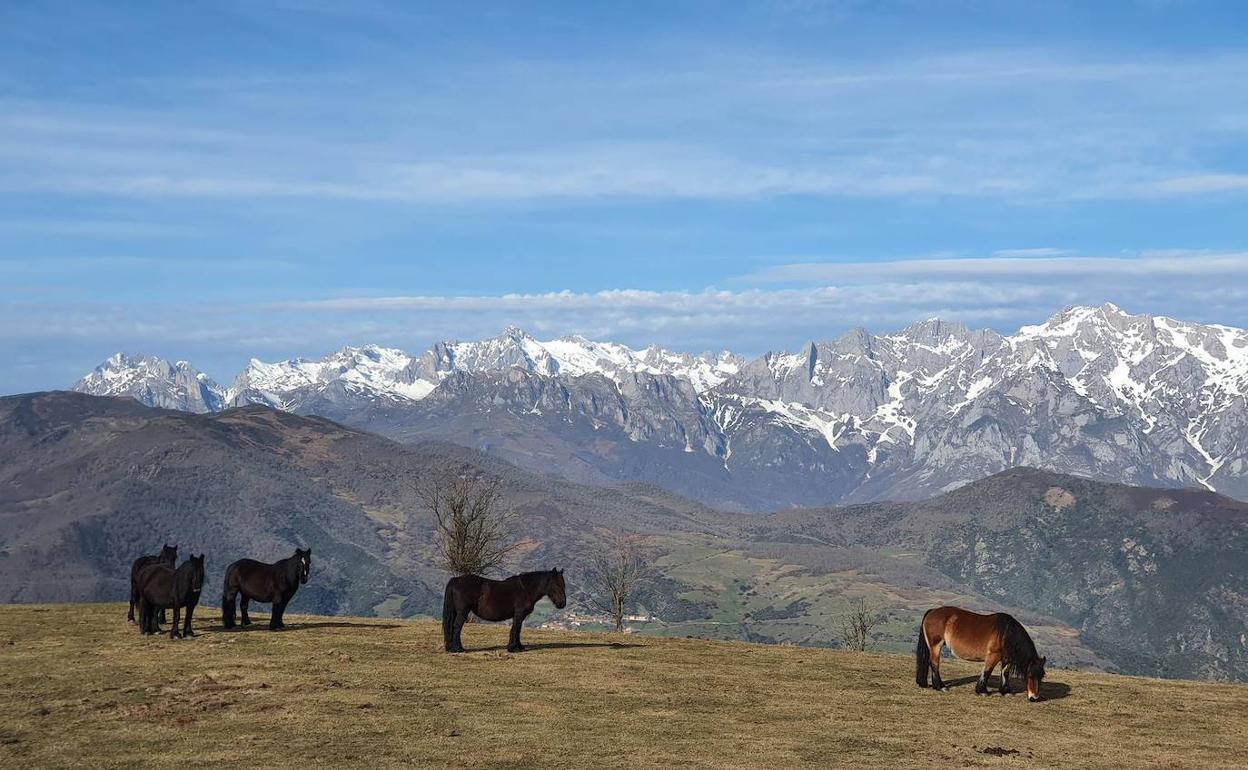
304 558
557 590
197 573
169 554
1035 675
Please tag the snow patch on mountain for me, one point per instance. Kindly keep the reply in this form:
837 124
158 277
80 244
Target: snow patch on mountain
1148 397
155 382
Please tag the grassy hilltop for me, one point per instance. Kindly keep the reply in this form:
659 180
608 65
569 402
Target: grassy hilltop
83 688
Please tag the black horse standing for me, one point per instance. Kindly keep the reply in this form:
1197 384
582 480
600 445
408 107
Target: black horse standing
497 600
161 587
168 555
261 582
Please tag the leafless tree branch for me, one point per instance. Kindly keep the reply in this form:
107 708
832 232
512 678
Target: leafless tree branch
858 625
616 570
472 528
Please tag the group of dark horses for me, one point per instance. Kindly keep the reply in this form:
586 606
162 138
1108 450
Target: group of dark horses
157 585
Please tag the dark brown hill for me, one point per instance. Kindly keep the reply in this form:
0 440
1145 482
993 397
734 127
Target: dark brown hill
1139 580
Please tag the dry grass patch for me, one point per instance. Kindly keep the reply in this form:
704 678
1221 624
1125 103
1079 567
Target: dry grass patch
83 689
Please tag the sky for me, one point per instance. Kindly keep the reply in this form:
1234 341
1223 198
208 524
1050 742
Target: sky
281 178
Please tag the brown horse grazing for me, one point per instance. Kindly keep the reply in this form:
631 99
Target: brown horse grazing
257 581
993 639
168 555
496 600
161 587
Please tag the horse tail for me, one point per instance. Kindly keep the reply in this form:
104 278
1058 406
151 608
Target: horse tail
227 598
922 656
134 597
448 617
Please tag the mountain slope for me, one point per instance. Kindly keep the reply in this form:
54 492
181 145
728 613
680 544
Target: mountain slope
1106 576
1093 391
1153 579
87 483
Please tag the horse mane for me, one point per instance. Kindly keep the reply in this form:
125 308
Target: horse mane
289 567
1020 651
541 575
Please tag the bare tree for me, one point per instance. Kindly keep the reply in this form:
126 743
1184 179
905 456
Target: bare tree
616 570
858 625
472 529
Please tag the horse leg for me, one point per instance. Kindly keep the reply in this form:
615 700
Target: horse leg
275 618
514 644
243 618
937 682
513 640
174 633
990 662
228 603
134 599
1005 679
186 626
457 630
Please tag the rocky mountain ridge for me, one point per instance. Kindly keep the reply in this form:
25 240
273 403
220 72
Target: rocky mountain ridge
1095 391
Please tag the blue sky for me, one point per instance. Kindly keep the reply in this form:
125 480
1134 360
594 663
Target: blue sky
281 179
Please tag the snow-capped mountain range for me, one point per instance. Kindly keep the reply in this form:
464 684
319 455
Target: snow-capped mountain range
1094 391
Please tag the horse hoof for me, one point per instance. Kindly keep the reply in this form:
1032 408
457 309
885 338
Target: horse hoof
1033 699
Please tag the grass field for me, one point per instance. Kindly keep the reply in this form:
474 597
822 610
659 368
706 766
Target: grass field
81 688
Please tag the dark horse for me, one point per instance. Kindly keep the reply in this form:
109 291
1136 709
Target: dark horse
495 600
168 555
261 582
162 586
993 639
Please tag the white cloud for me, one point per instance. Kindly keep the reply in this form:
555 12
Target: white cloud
1002 293
1022 125
1200 183
1150 266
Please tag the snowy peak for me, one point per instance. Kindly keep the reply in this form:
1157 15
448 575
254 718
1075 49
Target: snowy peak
513 348
370 371
1093 390
154 381
577 356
